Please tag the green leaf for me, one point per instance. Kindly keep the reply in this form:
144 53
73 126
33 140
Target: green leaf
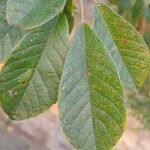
137 12
3 23
131 10
125 4
92 110
147 12
125 46
30 14
147 37
30 77
68 11
9 35
8 42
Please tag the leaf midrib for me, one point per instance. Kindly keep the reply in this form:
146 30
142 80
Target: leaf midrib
89 93
92 106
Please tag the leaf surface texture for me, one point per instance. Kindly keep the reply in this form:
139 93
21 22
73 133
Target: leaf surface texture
92 110
30 77
126 47
30 14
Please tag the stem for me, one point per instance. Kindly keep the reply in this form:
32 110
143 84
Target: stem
82 11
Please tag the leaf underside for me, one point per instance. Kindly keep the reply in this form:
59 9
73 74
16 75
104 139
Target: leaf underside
30 14
30 77
92 110
125 46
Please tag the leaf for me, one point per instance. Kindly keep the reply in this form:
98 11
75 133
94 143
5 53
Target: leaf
3 24
147 12
68 11
147 37
7 42
92 110
125 46
125 4
9 35
30 77
131 10
137 12
30 14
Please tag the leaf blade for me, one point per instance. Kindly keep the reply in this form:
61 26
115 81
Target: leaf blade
84 95
68 11
30 77
126 47
33 13
137 12
9 35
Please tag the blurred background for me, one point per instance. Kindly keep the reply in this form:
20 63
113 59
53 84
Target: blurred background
44 132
